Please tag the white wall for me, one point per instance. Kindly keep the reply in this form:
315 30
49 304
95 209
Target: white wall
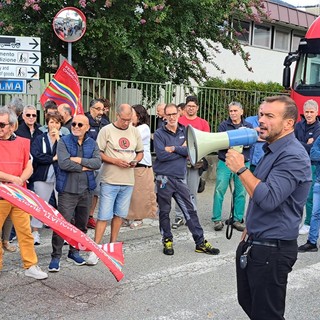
267 65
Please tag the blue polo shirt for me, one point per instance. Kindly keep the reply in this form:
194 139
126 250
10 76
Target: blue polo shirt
276 207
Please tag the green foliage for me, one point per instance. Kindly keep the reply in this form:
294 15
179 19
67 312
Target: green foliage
149 40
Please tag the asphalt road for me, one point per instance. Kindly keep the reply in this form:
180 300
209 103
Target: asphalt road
187 285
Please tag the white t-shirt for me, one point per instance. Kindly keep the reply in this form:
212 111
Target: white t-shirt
145 132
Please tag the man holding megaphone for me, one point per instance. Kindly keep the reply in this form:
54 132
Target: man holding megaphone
278 191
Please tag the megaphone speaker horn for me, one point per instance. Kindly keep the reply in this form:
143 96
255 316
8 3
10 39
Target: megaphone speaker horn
201 143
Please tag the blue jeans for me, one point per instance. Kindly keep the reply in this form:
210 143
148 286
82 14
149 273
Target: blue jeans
315 218
114 200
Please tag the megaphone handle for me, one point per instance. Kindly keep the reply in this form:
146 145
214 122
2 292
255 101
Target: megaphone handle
237 148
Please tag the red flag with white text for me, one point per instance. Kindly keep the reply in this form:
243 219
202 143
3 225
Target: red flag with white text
64 88
110 254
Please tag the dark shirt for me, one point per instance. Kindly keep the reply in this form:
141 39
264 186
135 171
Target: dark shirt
304 132
276 207
170 164
229 125
68 124
77 181
24 131
95 126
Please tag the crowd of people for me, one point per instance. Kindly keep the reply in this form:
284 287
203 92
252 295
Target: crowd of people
81 161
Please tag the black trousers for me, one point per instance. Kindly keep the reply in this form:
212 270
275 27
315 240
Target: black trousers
71 206
262 284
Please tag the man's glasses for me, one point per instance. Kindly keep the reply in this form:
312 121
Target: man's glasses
171 114
79 124
124 120
98 109
2 124
29 115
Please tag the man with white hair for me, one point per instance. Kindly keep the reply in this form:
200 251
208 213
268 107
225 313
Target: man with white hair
307 132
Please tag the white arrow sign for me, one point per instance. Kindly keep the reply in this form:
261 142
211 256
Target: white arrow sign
19 72
20 57
20 43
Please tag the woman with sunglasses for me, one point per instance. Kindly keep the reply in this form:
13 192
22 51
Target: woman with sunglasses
43 150
29 128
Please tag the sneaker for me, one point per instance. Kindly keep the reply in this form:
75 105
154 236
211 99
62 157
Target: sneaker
91 223
304 229
168 247
239 226
177 223
92 260
206 247
218 225
76 258
308 247
36 237
36 273
54 265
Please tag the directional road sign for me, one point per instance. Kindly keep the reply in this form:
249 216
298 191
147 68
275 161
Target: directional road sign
20 43
20 57
13 86
19 72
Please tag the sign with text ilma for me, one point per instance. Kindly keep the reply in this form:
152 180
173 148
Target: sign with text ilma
12 86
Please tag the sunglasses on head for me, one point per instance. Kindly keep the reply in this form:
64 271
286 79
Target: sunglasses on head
28 115
80 125
2 124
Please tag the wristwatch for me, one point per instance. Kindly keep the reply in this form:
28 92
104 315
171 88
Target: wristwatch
241 170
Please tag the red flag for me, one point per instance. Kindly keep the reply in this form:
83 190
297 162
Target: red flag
64 88
110 254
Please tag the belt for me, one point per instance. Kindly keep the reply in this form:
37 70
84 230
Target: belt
272 243
140 165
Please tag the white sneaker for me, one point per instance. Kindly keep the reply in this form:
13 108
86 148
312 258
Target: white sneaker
92 259
36 237
36 272
304 229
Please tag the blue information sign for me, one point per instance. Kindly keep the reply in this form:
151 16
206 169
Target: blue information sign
12 86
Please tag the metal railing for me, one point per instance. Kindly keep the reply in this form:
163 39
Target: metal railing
213 101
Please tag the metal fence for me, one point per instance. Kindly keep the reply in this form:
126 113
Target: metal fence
213 101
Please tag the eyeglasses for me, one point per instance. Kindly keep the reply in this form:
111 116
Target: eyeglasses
98 109
2 124
124 120
28 115
171 114
80 125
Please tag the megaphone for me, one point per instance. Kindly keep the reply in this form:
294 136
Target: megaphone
200 143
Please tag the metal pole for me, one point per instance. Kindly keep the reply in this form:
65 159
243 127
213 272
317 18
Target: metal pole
70 52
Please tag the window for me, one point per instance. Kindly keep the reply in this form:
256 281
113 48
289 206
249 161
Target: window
242 31
295 41
281 40
262 36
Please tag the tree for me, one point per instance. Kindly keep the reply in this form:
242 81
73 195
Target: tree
150 40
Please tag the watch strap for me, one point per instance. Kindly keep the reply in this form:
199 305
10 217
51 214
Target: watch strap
241 170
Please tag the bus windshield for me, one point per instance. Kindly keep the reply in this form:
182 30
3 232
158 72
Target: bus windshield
307 75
